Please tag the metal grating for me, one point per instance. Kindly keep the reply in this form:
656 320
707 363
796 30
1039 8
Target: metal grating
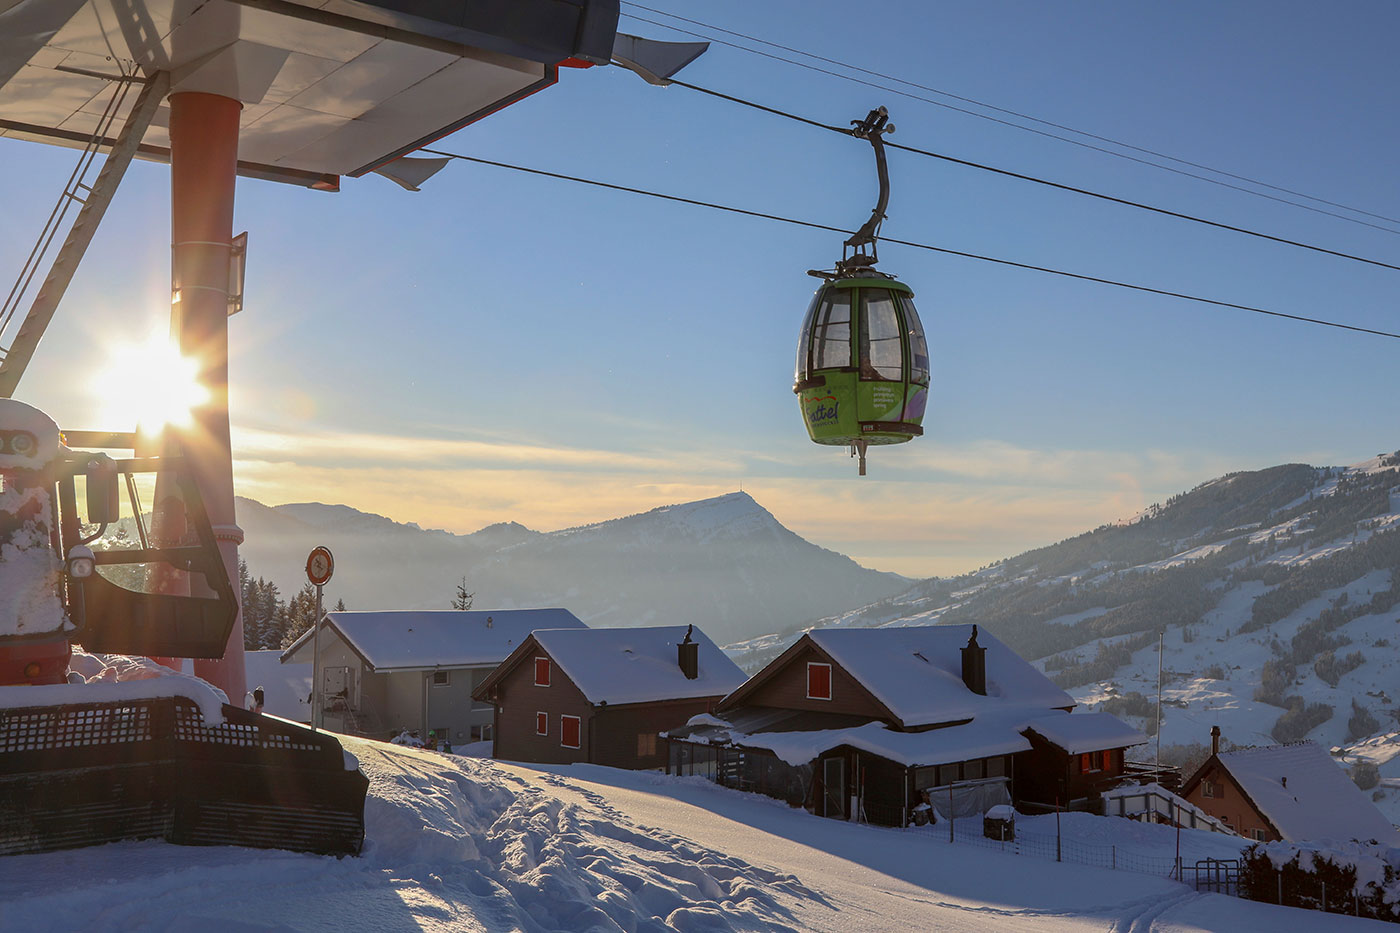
40 728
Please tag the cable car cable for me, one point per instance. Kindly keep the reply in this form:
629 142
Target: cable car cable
925 246
1046 182
1024 116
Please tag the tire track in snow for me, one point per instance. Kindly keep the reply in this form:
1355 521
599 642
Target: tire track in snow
1152 910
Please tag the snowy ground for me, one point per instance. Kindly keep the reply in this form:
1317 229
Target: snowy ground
468 844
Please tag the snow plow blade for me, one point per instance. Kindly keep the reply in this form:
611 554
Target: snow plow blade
92 773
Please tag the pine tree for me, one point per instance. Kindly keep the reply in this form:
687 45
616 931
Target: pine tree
301 615
339 606
463 599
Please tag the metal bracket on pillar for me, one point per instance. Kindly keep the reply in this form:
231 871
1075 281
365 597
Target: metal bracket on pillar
65 264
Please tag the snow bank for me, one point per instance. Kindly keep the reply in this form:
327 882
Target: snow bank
115 677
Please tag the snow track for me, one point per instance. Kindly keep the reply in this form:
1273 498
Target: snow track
472 845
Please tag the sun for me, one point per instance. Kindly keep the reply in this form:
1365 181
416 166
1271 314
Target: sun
149 385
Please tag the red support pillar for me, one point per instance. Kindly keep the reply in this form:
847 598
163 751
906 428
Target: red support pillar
203 167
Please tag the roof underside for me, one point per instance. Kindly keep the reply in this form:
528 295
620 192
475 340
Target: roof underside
328 88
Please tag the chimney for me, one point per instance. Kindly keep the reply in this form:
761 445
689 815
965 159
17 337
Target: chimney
974 665
489 622
1215 740
688 656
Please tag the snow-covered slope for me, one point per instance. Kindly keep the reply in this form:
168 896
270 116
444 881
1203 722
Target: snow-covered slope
1275 589
725 564
470 845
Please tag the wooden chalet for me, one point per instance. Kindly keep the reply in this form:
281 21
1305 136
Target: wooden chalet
869 723
603 695
1292 792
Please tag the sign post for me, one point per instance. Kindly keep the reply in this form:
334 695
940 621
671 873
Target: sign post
319 567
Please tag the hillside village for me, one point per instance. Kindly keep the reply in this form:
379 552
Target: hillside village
921 710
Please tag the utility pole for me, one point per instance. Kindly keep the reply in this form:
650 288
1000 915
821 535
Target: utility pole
1157 758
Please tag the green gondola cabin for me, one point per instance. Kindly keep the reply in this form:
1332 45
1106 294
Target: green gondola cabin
862 363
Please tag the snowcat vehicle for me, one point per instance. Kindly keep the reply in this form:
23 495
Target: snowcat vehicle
862 374
117 747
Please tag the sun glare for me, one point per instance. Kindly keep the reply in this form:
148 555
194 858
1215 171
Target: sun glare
149 385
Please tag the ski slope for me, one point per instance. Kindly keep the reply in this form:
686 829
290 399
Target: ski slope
473 845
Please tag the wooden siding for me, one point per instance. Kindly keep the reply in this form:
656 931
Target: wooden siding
786 688
1048 774
518 699
608 735
1231 806
616 730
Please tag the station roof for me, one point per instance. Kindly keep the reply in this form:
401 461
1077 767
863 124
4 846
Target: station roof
329 87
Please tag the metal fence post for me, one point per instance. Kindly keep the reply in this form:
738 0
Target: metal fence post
1057 830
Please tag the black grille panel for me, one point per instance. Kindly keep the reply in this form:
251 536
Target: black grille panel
86 774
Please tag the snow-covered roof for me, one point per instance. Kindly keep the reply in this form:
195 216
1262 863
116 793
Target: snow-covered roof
1077 733
977 739
426 639
636 665
1306 795
998 731
916 671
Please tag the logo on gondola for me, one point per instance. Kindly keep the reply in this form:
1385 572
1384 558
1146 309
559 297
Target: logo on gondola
819 412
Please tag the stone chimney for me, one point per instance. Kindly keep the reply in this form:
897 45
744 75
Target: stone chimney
1215 740
974 665
688 656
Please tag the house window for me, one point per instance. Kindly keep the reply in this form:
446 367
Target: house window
442 678
541 672
541 724
1210 789
646 744
569 731
1089 762
1257 834
818 681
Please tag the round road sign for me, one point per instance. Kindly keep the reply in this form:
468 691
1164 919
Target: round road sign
319 566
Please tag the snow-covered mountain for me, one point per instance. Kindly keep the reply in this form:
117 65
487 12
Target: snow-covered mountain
725 564
1278 592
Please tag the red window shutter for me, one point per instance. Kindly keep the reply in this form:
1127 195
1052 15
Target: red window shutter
541 724
818 681
1107 760
541 672
1086 763
569 731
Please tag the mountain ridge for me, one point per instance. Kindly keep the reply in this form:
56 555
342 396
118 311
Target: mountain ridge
661 564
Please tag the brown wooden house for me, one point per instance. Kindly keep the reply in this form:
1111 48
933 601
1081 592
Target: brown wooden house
868 722
1294 792
603 695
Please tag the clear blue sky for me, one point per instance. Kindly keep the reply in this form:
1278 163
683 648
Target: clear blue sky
501 346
